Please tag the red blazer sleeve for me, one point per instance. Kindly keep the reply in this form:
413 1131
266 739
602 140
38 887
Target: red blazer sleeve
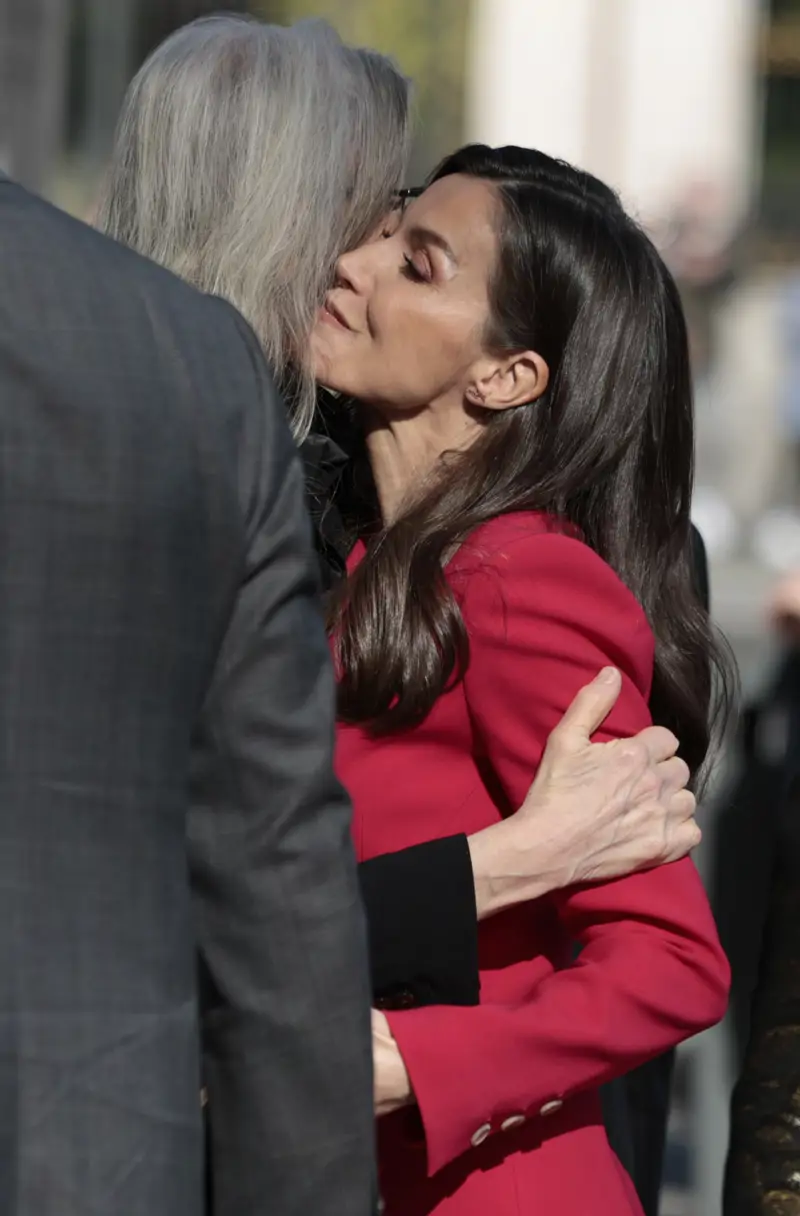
544 615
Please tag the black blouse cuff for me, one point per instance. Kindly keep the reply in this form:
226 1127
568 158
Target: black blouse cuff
423 925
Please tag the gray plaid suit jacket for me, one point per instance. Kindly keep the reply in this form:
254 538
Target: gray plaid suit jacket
166 731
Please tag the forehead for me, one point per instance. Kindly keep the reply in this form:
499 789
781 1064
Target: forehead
463 210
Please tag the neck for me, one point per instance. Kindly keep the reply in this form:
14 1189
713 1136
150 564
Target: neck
404 452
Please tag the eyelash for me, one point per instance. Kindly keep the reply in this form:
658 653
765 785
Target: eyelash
411 272
408 268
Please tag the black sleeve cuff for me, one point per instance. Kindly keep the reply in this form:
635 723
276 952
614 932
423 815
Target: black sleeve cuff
423 925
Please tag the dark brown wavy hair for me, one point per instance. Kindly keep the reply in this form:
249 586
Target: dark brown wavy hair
608 447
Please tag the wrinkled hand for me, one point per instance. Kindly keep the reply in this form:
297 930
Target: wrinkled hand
392 1086
622 806
596 811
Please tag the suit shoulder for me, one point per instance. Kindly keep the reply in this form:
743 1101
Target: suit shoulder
113 327
82 267
529 567
526 542
496 535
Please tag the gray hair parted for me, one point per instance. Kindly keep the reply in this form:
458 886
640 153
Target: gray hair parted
247 158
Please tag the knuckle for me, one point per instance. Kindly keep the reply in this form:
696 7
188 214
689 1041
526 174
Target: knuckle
685 841
634 754
668 743
661 743
674 773
686 837
683 773
683 805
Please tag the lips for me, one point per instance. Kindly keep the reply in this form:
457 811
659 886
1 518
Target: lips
335 313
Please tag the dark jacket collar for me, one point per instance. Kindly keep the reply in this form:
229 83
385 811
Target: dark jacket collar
325 464
340 491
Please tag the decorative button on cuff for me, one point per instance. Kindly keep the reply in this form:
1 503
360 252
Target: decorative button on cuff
511 1122
550 1108
483 1133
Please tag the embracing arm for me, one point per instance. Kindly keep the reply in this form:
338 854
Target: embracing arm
595 811
651 972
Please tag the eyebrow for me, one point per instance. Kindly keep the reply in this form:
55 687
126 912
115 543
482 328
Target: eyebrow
427 236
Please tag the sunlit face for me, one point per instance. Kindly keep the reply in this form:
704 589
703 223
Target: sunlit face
404 327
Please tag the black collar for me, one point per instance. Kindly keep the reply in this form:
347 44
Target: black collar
341 492
325 466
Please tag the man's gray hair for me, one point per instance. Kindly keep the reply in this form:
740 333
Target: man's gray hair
247 158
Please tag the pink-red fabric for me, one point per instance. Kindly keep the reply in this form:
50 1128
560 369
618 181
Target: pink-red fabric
544 614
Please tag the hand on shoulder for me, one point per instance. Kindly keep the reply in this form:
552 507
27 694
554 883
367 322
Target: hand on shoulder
595 812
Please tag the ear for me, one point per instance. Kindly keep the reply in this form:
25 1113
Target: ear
506 383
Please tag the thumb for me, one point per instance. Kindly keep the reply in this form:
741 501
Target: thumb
591 707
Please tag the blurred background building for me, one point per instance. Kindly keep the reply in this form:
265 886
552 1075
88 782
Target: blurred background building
691 108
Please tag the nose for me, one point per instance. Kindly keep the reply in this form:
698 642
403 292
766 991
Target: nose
353 270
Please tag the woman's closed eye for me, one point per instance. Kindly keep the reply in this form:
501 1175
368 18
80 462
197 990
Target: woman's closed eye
413 272
410 268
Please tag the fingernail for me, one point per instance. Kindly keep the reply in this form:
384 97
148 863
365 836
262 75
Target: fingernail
609 675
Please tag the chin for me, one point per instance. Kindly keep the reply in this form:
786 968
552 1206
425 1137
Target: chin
325 378
325 370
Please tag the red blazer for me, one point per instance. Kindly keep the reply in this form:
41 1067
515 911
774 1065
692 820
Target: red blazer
507 1090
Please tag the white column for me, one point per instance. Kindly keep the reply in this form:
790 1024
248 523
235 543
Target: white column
527 74
692 126
659 99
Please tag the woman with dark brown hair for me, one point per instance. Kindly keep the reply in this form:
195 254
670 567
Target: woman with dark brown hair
248 156
518 352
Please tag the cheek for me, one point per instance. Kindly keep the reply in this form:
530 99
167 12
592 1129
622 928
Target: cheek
416 351
406 370
440 354
423 346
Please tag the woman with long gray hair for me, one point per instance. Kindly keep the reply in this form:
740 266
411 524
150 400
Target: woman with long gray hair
248 158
